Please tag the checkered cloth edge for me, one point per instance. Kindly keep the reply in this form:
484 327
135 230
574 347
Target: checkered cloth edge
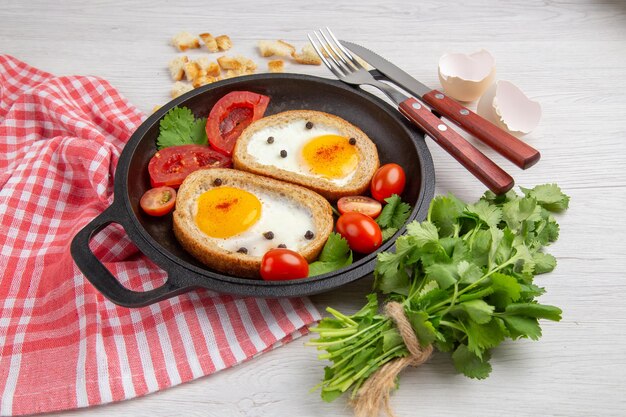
62 344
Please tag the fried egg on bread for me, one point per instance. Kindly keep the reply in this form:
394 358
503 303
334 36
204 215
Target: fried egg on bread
317 150
229 219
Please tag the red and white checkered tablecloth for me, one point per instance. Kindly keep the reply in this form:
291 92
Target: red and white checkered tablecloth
62 344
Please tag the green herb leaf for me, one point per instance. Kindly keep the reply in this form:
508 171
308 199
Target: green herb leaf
470 364
549 196
522 327
544 262
444 212
179 127
336 254
423 233
424 329
538 311
478 310
394 214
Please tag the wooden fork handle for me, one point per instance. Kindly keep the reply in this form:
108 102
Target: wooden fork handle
483 168
507 145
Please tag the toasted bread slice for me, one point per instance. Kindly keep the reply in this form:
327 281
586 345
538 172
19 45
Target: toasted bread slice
217 253
356 184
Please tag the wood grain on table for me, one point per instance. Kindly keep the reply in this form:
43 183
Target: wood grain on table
568 55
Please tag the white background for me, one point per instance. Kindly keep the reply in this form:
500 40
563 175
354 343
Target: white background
570 56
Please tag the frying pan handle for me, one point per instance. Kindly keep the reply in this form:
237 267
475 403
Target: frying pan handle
101 277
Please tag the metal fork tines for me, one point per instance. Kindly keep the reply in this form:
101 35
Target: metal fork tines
349 70
345 66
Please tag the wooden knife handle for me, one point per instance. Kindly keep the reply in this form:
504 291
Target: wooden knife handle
483 168
507 145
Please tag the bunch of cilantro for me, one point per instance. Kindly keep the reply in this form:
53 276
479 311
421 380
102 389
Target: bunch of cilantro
465 278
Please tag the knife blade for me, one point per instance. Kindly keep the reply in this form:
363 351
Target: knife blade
507 145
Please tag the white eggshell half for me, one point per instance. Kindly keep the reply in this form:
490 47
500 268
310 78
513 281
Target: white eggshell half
507 106
465 77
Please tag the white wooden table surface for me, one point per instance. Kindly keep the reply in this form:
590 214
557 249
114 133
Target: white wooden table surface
569 55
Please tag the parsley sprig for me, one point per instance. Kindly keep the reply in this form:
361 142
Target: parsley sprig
465 278
180 127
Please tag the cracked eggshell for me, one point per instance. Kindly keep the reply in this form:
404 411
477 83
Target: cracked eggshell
508 107
465 77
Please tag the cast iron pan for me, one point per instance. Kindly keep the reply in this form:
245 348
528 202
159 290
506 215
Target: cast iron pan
396 140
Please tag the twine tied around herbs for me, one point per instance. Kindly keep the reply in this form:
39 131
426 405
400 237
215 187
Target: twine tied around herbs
375 392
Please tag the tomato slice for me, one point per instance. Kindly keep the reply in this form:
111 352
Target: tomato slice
359 204
158 201
362 233
170 166
283 264
231 115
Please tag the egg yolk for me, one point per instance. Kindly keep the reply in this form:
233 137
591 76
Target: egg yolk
330 156
227 211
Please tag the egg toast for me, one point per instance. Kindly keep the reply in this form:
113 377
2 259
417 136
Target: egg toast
227 219
317 150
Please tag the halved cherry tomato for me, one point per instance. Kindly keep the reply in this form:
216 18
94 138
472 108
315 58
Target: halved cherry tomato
158 201
283 264
362 233
231 115
359 204
388 180
170 166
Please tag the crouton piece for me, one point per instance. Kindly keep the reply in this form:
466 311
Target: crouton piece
209 41
204 79
155 108
308 56
279 48
177 67
237 63
184 41
223 42
179 88
213 70
248 64
208 67
229 63
277 65
192 70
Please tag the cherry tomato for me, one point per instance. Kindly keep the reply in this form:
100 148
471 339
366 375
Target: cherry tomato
362 233
283 264
158 201
170 166
359 204
388 180
231 115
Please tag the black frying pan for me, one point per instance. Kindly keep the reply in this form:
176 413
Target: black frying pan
396 139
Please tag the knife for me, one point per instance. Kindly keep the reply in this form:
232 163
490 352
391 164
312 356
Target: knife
507 145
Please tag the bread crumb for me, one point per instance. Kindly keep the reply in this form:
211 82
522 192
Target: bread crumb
238 63
184 41
179 88
229 63
155 108
204 79
177 67
223 42
308 56
277 65
209 42
213 70
279 48
192 70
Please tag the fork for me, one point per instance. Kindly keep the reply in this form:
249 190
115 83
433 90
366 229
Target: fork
349 70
